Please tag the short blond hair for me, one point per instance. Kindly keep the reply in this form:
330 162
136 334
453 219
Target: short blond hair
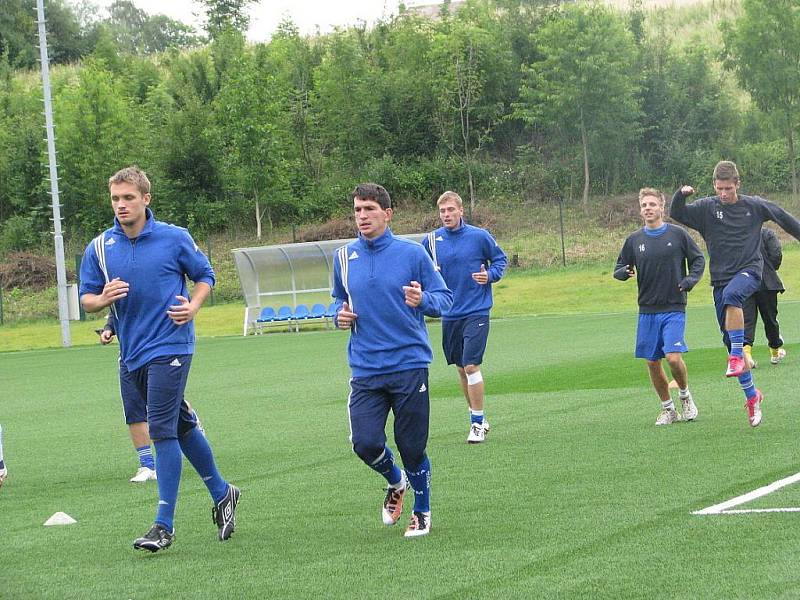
726 171
132 175
648 191
447 196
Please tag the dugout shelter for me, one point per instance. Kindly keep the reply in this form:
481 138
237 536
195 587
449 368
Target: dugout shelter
287 275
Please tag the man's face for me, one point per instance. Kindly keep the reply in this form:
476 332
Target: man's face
371 219
129 204
450 213
726 190
652 210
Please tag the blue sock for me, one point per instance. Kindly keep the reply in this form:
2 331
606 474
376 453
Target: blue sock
386 466
2 464
475 416
748 385
146 457
169 462
196 448
420 479
737 341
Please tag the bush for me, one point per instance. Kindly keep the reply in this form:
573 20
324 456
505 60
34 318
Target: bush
18 234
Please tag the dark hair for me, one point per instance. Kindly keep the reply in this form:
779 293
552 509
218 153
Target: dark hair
372 191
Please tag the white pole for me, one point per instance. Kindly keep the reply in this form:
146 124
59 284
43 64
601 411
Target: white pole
61 271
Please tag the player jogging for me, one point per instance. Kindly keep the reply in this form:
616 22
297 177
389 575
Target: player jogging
470 260
657 255
384 287
730 224
139 268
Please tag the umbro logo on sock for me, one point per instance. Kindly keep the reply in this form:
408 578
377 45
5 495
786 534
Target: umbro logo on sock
669 243
422 388
175 363
353 256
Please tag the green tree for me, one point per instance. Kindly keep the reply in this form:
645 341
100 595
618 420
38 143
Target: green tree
222 15
761 48
250 138
468 67
583 86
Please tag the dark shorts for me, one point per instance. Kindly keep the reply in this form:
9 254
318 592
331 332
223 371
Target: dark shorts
161 382
134 406
405 393
659 334
734 293
464 340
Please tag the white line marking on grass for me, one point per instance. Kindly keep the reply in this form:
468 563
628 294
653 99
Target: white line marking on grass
741 511
723 507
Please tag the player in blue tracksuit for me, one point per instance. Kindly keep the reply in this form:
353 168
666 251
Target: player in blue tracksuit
384 287
462 254
139 269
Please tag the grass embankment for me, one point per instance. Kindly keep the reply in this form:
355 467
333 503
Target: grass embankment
583 289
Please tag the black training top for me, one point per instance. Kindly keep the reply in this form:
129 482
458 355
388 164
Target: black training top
731 231
660 264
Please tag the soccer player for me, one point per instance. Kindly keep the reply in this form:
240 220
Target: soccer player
134 407
3 468
730 224
765 301
462 254
657 255
139 268
384 287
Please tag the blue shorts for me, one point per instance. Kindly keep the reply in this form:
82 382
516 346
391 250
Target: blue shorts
405 393
464 340
734 293
161 382
134 406
658 334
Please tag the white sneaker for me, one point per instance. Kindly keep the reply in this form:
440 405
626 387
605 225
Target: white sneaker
777 357
3 475
486 426
477 434
668 416
689 408
393 503
420 524
144 474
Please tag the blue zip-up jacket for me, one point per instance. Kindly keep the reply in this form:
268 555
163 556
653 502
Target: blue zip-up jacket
388 336
155 265
460 253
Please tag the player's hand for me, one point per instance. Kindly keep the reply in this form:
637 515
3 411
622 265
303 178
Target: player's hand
182 313
482 276
106 336
687 190
413 294
114 290
630 271
345 317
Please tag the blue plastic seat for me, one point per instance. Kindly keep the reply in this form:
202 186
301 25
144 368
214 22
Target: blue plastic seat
284 314
331 312
300 312
267 315
317 311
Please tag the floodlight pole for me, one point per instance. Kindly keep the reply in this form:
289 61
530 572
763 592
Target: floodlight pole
58 238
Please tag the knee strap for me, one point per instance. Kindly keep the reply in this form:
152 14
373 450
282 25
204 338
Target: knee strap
474 378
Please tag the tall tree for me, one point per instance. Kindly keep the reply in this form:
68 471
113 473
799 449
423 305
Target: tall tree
761 48
584 85
226 14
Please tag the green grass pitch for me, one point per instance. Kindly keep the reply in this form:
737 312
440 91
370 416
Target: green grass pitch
575 494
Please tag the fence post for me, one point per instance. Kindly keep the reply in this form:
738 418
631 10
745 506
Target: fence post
561 222
78 259
211 295
1 299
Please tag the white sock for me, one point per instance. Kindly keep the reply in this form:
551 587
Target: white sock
667 404
684 393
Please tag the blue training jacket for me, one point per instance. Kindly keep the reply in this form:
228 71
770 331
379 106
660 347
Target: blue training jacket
156 265
460 253
387 336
